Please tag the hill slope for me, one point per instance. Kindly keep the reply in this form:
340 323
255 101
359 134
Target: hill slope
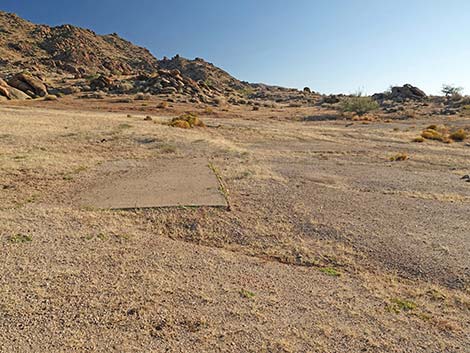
67 49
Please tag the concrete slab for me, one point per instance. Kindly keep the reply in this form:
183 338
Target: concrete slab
152 184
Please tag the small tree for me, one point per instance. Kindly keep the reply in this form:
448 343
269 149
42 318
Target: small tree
451 91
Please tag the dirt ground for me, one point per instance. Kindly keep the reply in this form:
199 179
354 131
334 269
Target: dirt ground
328 245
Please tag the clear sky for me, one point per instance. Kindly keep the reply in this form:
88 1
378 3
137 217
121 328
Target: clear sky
331 46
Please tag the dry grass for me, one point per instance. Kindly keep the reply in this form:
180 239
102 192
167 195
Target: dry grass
187 121
459 135
399 157
444 134
308 203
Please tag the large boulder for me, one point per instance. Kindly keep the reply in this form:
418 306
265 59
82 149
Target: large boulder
29 84
10 92
408 92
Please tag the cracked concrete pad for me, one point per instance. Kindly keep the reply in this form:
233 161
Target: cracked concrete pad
151 184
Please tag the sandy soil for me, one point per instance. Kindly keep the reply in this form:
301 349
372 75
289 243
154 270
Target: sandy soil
328 245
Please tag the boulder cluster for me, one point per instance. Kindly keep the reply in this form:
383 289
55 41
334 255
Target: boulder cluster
401 94
162 81
22 86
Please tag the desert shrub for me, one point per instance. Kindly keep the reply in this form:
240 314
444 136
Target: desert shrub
187 121
180 124
399 157
439 133
459 135
431 134
358 104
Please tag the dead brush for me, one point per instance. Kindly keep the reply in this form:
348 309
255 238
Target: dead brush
436 133
459 135
187 121
399 157
443 134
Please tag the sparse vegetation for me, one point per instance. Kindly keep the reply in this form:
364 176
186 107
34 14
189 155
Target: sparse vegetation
247 294
444 134
20 238
398 305
330 271
187 121
358 104
459 135
399 157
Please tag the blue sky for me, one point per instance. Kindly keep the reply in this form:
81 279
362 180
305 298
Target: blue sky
331 46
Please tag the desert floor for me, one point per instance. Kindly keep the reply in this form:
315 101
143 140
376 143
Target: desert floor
328 246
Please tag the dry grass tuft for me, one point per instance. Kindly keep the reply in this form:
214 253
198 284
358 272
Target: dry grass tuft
442 133
187 121
399 157
247 294
459 135
330 271
398 305
431 134
180 124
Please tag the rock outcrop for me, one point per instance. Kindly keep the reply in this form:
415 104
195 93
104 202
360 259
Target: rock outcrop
11 92
402 93
29 84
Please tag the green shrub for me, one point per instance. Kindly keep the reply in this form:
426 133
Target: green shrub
358 104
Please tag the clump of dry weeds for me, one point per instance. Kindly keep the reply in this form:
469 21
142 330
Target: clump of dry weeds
187 121
399 157
443 134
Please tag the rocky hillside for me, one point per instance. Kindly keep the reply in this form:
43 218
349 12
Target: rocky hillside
70 60
67 49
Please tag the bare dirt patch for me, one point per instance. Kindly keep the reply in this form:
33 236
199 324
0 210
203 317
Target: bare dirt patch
329 246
